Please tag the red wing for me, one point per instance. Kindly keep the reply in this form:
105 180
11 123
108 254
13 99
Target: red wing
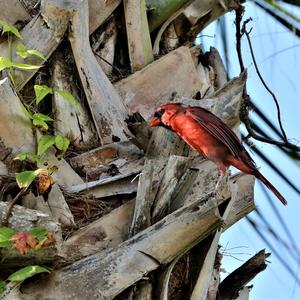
218 129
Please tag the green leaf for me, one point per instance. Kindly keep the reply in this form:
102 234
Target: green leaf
25 66
40 120
42 117
21 156
39 232
45 142
9 28
21 50
62 143
5 63
26 155
68 97
36 53
41 123
27 112
27 272
41 91
24 52
5 235
24 179
2 286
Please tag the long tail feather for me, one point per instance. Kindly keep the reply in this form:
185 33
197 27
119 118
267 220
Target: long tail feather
270 186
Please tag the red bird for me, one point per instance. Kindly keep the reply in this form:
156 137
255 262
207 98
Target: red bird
211 137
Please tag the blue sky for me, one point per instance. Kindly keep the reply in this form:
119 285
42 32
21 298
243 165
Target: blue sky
281 71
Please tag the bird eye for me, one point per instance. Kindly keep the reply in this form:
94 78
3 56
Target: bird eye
159 113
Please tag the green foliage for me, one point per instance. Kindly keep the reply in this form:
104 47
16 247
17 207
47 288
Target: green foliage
22 274
39 232
24 179
69 98
36 53
24 52
5 235
62 143
6 63
10 29
39 119
46 141
27 272
25 66
41 91
27 155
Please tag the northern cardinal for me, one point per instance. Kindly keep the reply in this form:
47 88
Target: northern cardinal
210 136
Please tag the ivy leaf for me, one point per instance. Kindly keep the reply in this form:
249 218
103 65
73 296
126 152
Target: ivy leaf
39 119
62 143
5 235
36 53
24 179
39 232
69 98
21 50
41 91
42 117
5 63
25 66
41 123
21 156
27 272
24 52
45 142
9 28
26 155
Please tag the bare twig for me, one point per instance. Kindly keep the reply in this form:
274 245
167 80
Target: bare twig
11 206
247 103
238 19
247 33
253 134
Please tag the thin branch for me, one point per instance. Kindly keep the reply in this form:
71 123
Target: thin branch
246 103
253 134
244 31
11 205
265 119
290 153
238 19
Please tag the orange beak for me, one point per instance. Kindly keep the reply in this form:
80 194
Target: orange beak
154 122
